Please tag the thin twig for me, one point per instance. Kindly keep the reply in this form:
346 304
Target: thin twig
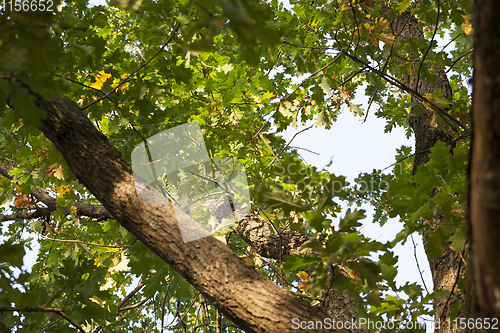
309 47
82 242
309 151
413 154
372 98
418 265
451 41
293 92
352 75
84 85
58 291
44 265
163 307
430 44
133 306
11 138
458 59
311 76
287 145
122 302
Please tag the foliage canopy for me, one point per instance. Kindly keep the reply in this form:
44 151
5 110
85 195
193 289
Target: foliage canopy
137 68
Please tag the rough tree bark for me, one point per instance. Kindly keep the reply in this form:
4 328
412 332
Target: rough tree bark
444 269
251 301
485 160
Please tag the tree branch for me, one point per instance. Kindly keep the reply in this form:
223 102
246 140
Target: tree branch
43 309
82 208
404 87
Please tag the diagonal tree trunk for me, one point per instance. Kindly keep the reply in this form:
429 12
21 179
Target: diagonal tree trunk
251 301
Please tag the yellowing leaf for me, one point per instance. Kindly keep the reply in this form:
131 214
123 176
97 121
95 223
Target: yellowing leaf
123 86
386 38
59 173
258 261
268 95
302 286
325 87
119 264
42 154
381 25
56 170
319 119
100 79
345 6
346 94
466 27
22 201
430 97
81 100
401 7
356 109
352 273
285 109
442 103
63 189
303 275
268 216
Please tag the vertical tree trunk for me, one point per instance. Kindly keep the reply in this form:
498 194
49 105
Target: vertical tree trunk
485 160
444 269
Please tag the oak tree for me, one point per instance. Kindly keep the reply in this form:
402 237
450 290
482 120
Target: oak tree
81 86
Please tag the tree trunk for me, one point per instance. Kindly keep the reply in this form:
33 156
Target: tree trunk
444 270
251 301
485 160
